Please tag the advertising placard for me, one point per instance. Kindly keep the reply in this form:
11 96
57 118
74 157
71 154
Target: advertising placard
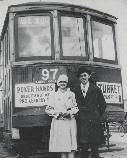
112 92
32 94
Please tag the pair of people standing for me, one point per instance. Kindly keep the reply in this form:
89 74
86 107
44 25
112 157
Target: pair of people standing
87 100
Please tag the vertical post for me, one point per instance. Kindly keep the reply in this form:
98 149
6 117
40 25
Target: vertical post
89 39
108 135
117 44
11 49
56 35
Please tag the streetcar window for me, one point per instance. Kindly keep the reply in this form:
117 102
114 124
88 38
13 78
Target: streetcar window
103 41
5 53
9 79
9 55
0 66
5 85
34 36
7 46
73 36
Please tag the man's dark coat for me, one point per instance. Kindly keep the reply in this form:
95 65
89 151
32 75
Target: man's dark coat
91 108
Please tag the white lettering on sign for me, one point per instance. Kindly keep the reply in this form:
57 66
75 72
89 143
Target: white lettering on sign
112 92
46 73
34 20
54 73
32 94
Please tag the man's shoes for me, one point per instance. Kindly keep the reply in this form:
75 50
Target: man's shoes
97 157
84 155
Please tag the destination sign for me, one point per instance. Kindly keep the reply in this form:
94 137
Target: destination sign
34 20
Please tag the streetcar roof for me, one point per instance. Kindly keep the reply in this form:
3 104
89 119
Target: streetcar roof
57 5
52 6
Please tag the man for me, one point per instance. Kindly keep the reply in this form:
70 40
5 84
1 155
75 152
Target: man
91 105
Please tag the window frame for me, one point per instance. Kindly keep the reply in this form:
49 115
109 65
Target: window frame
30 58
76 15
109 23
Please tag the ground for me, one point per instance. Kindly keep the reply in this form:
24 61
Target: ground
117 148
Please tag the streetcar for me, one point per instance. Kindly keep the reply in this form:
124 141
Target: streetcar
39 41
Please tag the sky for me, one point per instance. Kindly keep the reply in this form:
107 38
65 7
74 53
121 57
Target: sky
117 8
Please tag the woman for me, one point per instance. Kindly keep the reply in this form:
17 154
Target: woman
62 107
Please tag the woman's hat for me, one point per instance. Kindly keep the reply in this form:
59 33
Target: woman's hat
82 70
62 77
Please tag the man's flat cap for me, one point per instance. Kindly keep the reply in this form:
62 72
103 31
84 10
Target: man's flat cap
82 70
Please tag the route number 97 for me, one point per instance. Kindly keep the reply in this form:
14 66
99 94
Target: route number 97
46 73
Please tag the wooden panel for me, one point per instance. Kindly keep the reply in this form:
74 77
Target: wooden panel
30 118
33 116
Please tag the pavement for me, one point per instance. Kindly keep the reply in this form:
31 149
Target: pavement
4 153
117 146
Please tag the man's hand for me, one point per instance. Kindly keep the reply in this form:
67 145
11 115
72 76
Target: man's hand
66 115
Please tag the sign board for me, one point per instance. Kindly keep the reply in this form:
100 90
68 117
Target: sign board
125 105
112 92
32 94
45 75
15 133
36 93
34 20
